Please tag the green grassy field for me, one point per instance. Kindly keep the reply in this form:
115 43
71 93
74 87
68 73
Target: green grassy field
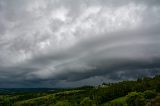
121 100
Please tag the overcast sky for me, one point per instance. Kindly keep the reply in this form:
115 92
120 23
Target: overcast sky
70 43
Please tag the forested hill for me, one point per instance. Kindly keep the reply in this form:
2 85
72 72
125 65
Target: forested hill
142 92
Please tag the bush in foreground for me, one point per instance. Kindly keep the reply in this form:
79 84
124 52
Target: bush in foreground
135 99
154 102
149 94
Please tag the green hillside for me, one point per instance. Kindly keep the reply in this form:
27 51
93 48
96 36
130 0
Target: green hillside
142 92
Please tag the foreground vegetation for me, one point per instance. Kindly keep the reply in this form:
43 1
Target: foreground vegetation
142 92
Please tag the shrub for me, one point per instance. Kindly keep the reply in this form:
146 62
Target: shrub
149 94
154 102
135 99
86 102
158 87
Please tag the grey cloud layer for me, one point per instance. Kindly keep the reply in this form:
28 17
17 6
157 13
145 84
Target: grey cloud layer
76 42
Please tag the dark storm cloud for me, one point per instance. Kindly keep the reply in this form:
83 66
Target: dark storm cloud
77 42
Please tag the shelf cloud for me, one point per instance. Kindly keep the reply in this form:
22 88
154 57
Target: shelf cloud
70 43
